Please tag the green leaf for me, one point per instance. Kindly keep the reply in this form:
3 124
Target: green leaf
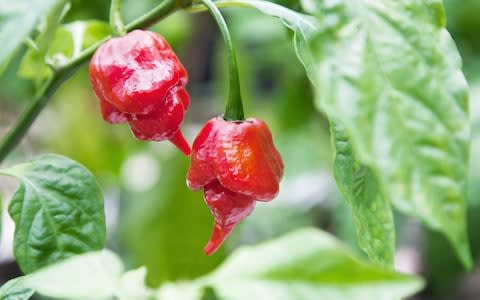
94 275
18 19
389 72
70 39
57 210
65 43
372 213
306 264
15 289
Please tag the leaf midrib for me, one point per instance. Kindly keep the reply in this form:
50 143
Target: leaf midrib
367 27
28 182
388 87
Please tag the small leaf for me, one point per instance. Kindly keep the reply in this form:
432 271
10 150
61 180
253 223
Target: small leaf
15 289
372 213
33 65
389 72
58 211
70 39
18 19
93 276
65 43
306 264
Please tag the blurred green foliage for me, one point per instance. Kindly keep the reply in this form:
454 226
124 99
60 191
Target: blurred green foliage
166 228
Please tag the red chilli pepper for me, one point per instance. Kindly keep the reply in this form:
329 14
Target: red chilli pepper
139 79
236 164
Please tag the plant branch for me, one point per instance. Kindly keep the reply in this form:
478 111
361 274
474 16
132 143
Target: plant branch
64 72
234 107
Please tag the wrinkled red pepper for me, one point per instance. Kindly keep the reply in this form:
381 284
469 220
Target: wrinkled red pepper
236 163
139 79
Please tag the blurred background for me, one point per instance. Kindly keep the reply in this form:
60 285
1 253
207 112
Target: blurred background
154 220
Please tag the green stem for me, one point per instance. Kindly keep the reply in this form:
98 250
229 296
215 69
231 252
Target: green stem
14 136
116 21
234 107
152 17
64 72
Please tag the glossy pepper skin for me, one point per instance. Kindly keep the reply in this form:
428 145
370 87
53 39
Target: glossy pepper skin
236 163
139 79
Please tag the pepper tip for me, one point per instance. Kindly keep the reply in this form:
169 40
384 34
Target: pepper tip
181 143
219 234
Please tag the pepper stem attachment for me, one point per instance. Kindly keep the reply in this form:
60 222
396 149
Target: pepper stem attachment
234 107
116 21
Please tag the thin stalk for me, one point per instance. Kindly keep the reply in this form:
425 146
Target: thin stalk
234 106
64 72
116 21
152 17
25 120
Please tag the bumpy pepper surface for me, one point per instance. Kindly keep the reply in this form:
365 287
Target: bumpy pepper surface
236 163
139 79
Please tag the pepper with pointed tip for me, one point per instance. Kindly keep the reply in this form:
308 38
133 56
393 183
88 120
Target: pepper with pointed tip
139 79
236 163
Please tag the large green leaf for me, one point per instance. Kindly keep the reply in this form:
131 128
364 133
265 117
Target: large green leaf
306 264
389 72
15 289
18 19
372 213
58 211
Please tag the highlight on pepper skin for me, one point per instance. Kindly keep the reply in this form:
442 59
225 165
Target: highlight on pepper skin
138 79
236 164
